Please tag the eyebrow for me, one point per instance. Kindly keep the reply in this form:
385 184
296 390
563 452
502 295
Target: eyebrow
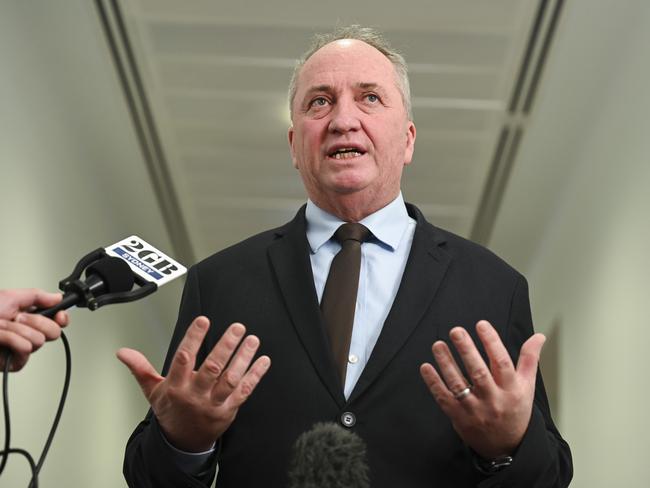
329 88
368 86
318 88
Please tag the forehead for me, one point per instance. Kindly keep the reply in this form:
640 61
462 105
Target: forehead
346 60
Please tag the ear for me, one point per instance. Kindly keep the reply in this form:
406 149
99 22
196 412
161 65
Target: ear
410 142
290 135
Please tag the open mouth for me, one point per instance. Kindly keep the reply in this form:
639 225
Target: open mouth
346 153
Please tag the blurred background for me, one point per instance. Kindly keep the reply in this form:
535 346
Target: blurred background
168 120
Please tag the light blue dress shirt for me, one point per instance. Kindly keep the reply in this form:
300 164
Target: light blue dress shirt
383 259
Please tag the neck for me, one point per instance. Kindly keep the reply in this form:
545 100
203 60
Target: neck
352 207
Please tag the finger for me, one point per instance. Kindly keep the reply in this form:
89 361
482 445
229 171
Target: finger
529 356
28 297
49 328
441 394
503 371
478 372
449 370
182 364
230 379
248 383
215 363
62 318
144 373
18 348
35 337
15 342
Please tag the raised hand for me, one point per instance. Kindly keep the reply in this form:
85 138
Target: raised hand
491 408
194 408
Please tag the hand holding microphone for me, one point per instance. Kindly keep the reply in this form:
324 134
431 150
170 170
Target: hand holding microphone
30 317
23 332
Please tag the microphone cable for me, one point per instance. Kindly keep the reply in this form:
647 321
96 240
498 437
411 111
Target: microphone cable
34 467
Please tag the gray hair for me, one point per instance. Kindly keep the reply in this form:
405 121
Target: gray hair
371 37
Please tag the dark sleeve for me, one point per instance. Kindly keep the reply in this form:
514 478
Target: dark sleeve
543 459
148 461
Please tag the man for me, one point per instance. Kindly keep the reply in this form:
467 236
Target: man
351 137
21 332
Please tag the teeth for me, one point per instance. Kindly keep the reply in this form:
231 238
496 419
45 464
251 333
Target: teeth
346 154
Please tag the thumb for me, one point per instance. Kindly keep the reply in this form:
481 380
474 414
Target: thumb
529 356
144 373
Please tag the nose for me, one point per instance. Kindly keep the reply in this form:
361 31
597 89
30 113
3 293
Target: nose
345 117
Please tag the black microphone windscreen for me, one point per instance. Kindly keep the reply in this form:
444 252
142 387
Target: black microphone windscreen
114 272
329 456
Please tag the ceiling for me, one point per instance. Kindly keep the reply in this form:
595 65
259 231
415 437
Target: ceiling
207 82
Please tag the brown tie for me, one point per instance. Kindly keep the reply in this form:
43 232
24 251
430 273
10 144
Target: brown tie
340 294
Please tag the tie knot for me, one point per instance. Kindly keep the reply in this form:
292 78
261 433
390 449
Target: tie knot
352 231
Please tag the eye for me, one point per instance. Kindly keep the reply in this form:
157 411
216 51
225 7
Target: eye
372 98
318 102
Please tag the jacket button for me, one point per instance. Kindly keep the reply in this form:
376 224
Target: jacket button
348 419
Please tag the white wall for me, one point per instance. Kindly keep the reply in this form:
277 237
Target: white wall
581 197
574 219
72 179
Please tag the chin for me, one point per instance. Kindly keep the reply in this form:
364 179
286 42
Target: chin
349 188
350 182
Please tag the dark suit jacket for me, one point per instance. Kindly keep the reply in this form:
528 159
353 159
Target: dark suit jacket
266 283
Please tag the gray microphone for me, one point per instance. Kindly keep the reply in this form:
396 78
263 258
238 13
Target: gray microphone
329 456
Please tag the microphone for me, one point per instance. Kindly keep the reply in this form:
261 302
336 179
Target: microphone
111 272
329 456
106 275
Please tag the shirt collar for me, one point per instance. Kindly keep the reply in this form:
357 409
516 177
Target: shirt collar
387 224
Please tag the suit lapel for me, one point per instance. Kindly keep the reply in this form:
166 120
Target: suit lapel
289 256
424 271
